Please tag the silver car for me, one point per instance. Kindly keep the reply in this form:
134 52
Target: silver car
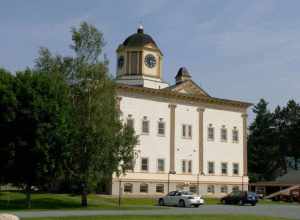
181 199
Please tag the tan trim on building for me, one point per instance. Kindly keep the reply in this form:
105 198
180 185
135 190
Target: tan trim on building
200 140
245 147
172 137
207 102
180 181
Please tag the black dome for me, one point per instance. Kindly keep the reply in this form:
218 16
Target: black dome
138 39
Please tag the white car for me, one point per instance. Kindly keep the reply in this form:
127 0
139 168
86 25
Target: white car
181 199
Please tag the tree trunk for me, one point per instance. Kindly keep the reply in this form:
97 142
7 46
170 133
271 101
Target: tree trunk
28 196
84 202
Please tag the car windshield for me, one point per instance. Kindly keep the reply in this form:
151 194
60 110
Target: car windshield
251 194
186 193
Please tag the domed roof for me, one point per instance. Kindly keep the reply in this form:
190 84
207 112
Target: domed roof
139 39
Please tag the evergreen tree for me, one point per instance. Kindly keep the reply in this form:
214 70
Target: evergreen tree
263 149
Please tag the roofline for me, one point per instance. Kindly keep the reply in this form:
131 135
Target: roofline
182 96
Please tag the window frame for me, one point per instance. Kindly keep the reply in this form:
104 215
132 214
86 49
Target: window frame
235 130
224 129
145 119
160 185
126 185
163 170
233 169
145 158
210 126
164 128
226 165
208 168
146 185
129 118
211 189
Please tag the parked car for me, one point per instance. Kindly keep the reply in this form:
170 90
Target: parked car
181 199
241 198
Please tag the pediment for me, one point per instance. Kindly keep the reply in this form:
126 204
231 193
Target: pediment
188 87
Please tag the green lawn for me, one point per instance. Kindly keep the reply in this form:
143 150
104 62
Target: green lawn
45 201
176 217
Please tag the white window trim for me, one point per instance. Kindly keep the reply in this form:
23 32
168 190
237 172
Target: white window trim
208 138
148 163
157 167
142 130
159 134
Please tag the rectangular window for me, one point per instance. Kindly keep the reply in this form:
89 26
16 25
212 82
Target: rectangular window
193 189
235 135
144 166
235 188
130 123
187 131
211 133
223 134
145 126
160 188
224 168
190 166
211 167
211 189
161 128
183 166
190 131
183 131
128 187
144 188
160 165
235 169
224 189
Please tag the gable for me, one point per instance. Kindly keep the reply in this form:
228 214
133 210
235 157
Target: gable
188 87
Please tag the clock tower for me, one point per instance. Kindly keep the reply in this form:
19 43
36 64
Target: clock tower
139 61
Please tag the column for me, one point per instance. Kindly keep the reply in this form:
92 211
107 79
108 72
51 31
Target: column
172 137
245 148
200 130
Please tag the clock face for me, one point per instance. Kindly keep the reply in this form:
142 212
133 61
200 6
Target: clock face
150 61
120 62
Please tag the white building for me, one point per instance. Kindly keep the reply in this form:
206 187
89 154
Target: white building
187 139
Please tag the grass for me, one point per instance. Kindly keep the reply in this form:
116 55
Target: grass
45 201
175 217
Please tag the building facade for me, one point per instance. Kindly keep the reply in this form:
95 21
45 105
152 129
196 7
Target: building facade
187 139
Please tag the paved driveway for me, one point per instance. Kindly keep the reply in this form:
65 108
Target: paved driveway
286 211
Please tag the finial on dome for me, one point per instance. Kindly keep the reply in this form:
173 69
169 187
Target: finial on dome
140 29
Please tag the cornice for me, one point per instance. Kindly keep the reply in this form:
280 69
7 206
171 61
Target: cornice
183 97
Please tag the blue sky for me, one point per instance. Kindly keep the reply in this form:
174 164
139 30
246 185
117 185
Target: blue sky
236 49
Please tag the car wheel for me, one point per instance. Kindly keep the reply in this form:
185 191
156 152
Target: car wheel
161 202
181 203
196 206
253 204
241 202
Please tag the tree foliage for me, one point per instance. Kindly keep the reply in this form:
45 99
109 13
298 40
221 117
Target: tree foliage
59 120
274 136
